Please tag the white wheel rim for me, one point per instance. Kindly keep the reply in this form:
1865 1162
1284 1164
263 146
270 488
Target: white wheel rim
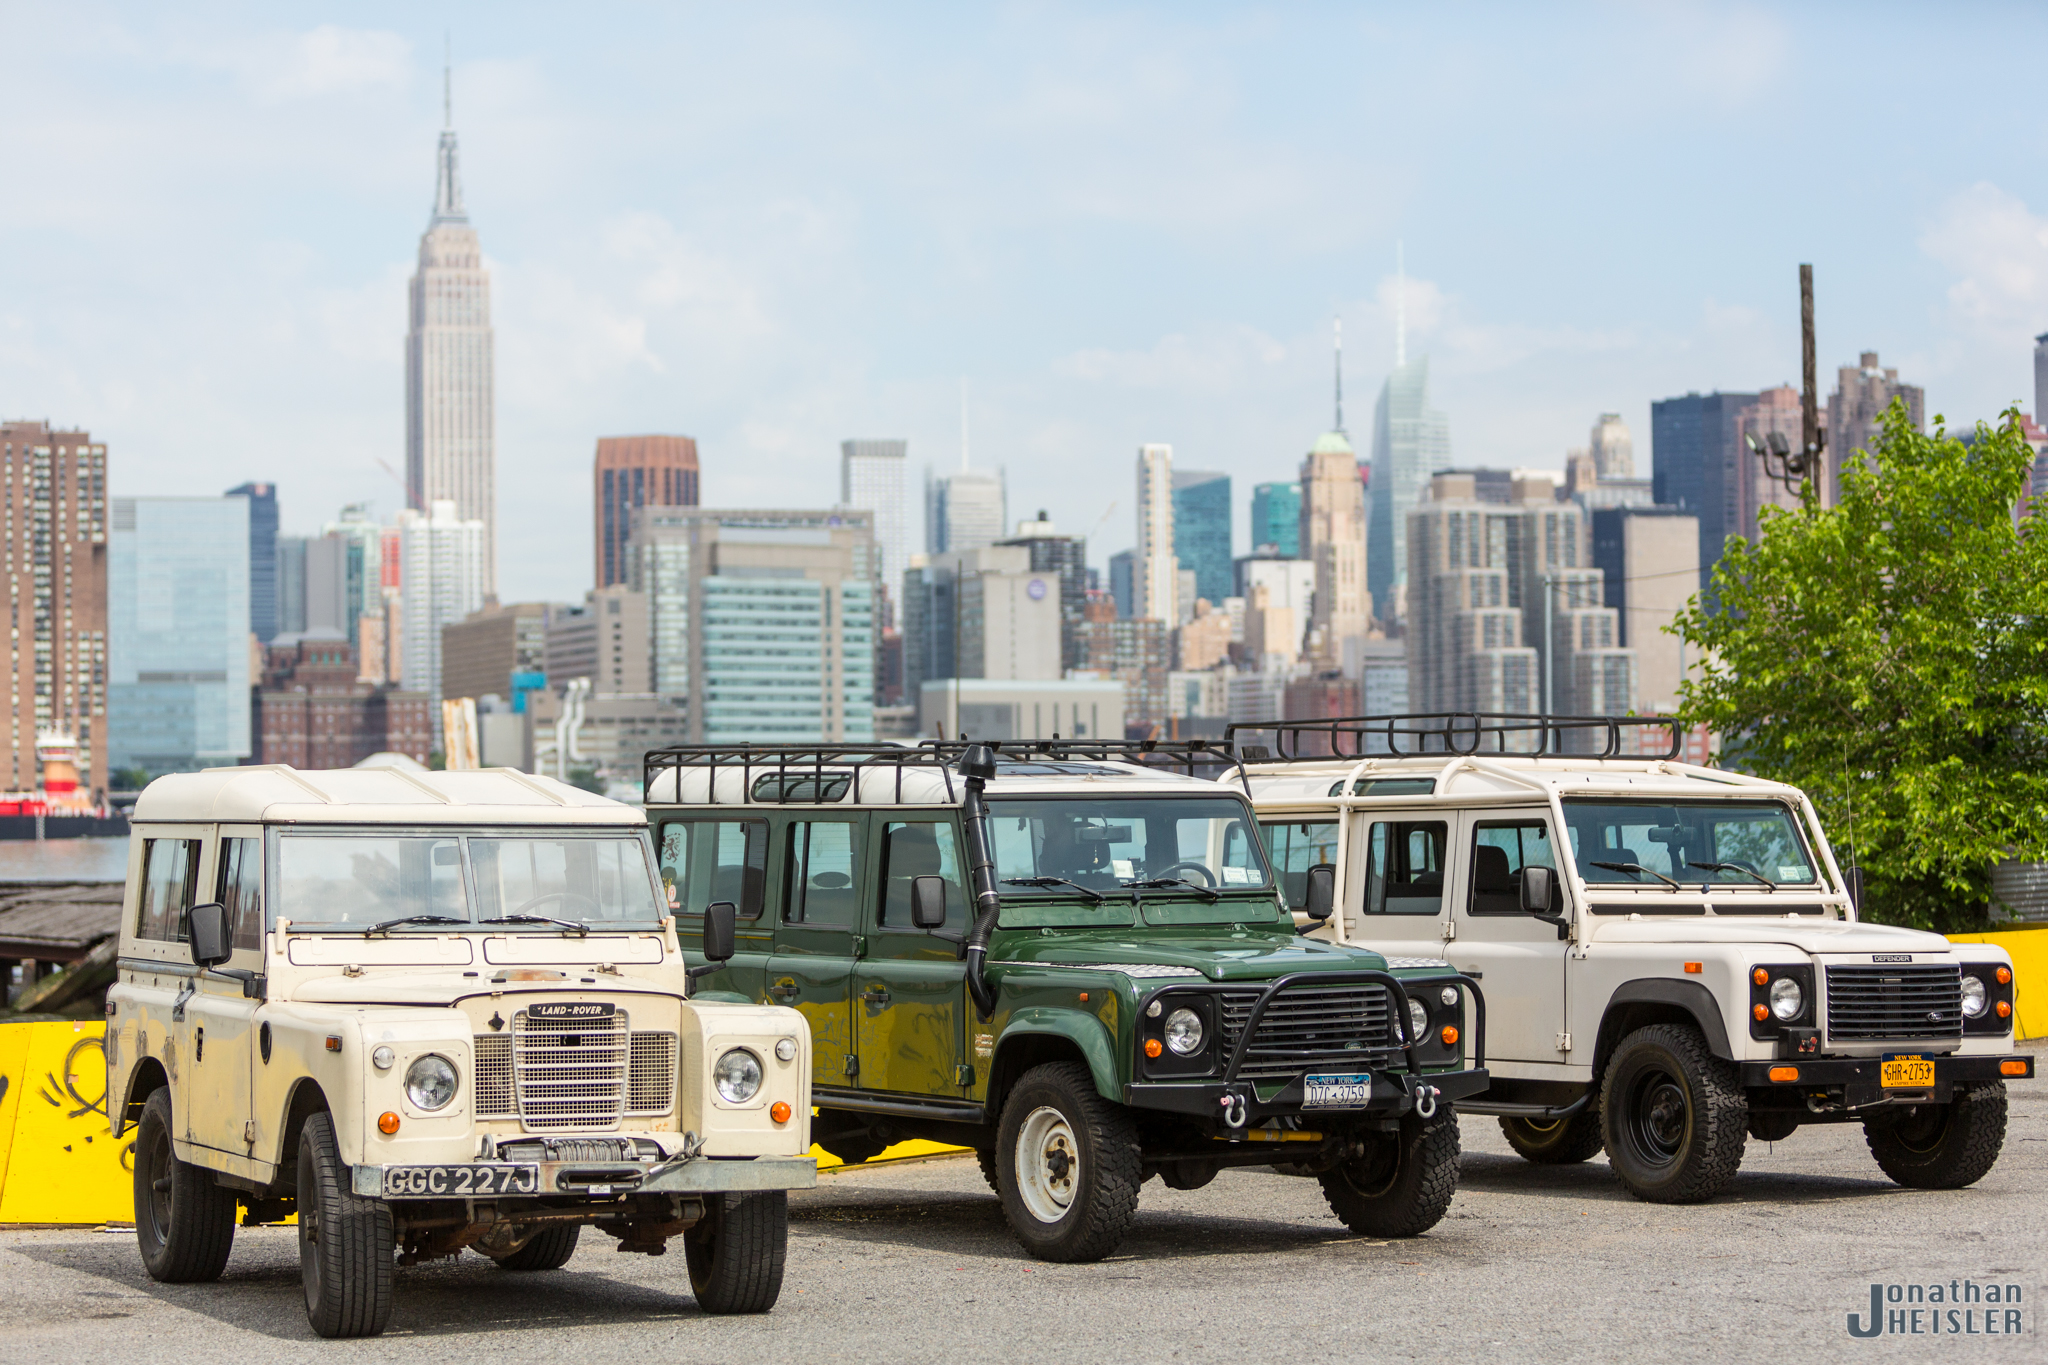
1048 1164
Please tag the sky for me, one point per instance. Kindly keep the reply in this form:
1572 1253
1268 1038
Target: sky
772 227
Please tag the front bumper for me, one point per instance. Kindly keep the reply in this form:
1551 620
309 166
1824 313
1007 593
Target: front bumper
609 1179
1857 1077
1394 1093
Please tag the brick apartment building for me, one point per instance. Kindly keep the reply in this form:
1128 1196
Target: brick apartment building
313 710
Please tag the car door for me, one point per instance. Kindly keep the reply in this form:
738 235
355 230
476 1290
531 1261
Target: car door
812 968
1519 960
1399 907
159 967
719 858
910 987
220 1018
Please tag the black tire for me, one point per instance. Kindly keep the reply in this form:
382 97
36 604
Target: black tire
1403 1185
1942 1146
550 1249
1674 1116
184 1222
1087 1148
346 1243
1556 1142
985 1157
736 1251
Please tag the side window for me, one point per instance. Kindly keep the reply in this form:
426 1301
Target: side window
1295 847
714 860
168 869
912 849
824 873
241 890
1405 867
1500 850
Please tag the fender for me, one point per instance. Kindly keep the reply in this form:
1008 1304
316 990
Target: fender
1084 1031
1690 996
145 1076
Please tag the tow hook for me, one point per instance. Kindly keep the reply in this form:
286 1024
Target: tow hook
1235 1112
1425 1101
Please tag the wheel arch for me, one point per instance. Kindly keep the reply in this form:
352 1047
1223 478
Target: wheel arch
1036 1036
1658 1000
147 1077
306 1100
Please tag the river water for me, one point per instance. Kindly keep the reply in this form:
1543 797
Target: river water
63 860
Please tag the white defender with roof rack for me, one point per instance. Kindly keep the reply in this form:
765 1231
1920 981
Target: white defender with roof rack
427 1011
1671 957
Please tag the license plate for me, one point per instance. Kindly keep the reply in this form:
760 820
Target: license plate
1906 1071
456 1182
1350 1090
569 1010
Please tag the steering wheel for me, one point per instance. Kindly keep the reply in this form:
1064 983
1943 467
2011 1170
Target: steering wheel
564 896
1208 877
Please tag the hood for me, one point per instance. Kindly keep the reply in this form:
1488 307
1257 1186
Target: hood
447 989
1219 956
1809 933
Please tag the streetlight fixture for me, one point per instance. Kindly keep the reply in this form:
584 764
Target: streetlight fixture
1798 470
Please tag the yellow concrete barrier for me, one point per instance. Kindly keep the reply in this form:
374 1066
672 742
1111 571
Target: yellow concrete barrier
2029 949
828 1162
59 1162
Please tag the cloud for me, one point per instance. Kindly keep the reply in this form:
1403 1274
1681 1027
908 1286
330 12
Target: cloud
279 68
1209 357
2000 249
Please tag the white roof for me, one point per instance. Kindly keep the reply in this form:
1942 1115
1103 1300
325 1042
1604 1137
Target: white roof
1500 776
887 784
276 792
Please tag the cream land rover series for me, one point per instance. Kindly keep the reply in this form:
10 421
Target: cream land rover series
426 1011
1672 959
1071 957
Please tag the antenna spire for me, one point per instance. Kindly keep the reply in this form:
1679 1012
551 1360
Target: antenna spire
963 423
1338 324
1400 304
448 82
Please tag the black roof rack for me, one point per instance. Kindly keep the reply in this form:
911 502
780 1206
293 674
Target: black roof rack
802 772
1449 733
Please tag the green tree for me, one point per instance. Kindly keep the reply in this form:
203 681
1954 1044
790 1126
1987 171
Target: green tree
1889 655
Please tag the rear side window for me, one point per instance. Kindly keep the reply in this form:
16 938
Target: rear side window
1295 847
1405 867
241 890
703 861
824 873
169 867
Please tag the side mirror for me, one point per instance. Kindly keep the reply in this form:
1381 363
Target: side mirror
720 924
928 902
1539 890
208 934
1322 891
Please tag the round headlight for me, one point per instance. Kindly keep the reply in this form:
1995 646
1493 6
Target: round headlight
1184 1032
737 1076
1974 998
1786 998
430 1082
1418 1020
785 1049
1449 995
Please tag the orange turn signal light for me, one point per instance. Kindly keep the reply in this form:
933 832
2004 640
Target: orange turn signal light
2004 975
779 1111
1784 1073
387 1123
2012 1066
1450 1035
1084 997
1759 1013
1153 1047
1694 968
334 1042
2004 1009
1760 976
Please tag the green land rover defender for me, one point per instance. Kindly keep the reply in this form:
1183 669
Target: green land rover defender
1074 959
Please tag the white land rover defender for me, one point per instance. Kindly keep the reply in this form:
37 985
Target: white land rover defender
429 1011
1671 957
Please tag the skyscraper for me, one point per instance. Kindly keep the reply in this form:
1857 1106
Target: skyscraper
2041 376
1156 571
441 579
53 543
1066 557
1276 518
1695 442
871 476
450 427
263 612
1333 539
1614 454
1201 532
1410 441
1862 392
968 510
636 471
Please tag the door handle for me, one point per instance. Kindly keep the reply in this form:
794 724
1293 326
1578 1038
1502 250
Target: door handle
784 991
875 995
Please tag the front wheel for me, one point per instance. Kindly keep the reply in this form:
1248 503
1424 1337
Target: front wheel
1068 1164
184 1222
1555 1142
735 1251
346 1243
1942 1146
1402 1185
1674 1116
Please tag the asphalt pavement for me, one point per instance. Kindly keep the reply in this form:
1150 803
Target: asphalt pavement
912 1262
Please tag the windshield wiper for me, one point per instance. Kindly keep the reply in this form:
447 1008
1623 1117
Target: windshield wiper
1163 883
391 924
1638 867
582 930
1735 867
1094 897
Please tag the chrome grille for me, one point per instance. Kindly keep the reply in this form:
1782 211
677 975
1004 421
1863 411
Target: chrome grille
1307 1027
1901 1001
570 1073
492 1084
651 1079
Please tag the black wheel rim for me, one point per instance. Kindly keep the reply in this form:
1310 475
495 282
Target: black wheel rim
157 1171
1922 1128
1373 1174
1659 1116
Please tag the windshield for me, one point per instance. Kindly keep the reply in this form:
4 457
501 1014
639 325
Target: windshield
359 880
1740 842
1057 850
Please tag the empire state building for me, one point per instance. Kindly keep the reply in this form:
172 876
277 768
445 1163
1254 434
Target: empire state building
450 430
